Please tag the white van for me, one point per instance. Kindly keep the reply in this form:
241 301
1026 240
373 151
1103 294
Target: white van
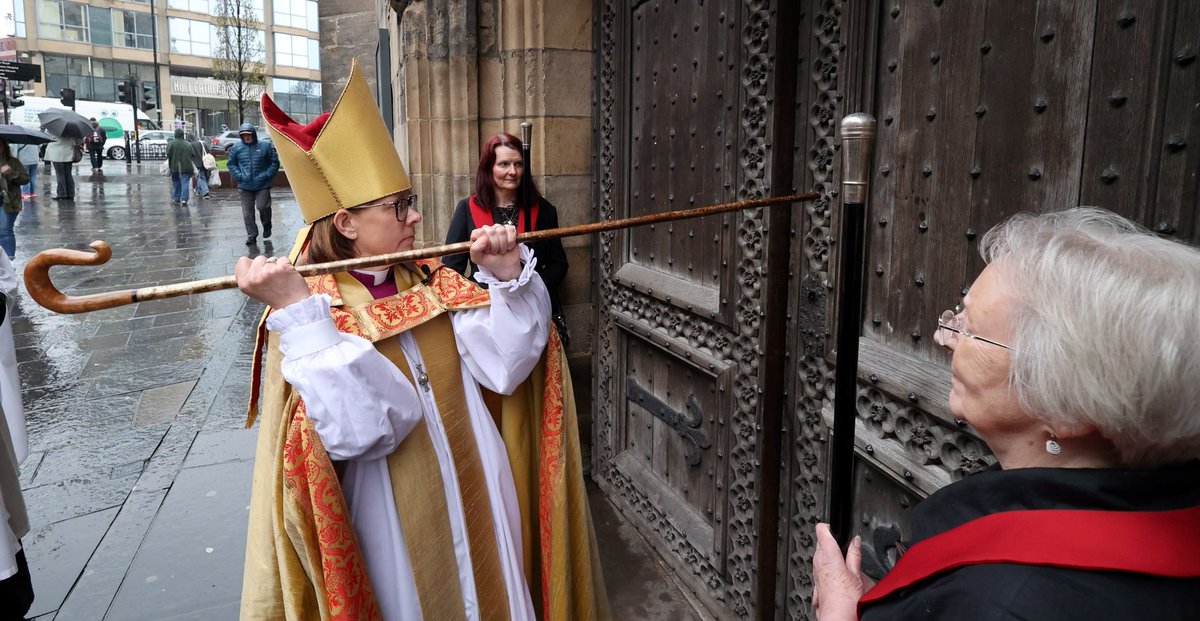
115 118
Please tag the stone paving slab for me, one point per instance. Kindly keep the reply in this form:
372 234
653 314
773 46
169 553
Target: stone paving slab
190 562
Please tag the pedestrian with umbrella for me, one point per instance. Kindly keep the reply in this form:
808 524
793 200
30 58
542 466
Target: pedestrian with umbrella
26 141
69 128
12 176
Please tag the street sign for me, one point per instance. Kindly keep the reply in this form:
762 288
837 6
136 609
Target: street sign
20 71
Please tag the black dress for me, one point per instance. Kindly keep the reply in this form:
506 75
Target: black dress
1007 591
551 258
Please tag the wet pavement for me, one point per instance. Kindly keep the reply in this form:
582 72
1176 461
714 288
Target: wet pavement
138 477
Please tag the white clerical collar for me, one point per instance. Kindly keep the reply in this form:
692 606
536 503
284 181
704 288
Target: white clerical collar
380 275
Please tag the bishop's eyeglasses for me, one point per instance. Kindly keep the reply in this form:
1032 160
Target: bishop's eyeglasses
401 206
951 322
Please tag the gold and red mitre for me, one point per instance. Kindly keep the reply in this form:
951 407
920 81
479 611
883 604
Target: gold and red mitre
341 159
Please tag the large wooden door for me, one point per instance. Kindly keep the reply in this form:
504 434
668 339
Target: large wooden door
985 109
684 340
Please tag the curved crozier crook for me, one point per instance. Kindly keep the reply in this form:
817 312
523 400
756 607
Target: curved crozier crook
42 290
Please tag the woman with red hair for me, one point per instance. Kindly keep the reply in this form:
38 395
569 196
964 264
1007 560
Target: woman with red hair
499 199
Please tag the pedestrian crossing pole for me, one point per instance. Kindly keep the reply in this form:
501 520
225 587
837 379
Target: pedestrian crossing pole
127 92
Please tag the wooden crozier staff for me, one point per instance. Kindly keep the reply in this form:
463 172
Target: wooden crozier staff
42 290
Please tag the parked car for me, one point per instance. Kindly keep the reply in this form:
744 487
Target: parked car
154 142
227 139
210 144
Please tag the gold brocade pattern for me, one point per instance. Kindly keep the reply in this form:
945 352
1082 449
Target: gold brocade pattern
313 489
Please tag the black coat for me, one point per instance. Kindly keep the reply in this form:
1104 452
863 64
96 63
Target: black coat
1037 593
551 258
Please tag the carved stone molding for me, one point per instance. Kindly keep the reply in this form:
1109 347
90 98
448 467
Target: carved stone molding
673 321
910 441
814 380
756 67
605 348
666 531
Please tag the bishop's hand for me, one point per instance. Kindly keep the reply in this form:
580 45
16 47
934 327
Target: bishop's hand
273 281
495 247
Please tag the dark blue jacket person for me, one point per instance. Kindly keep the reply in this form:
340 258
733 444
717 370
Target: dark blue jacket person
253 164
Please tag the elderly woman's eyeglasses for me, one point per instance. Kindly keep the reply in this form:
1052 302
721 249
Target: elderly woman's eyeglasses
401 206
951 322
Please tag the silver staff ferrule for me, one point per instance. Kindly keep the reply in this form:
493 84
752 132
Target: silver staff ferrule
858 133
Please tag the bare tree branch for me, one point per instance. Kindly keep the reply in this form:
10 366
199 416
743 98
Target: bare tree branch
239 59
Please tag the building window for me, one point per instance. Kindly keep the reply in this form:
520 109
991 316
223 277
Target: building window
190 36
133 29
301 99
197 6
61 19
19 18
229 8
92 79
293 51
296 13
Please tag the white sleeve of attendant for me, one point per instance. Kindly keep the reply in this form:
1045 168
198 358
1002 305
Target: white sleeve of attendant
501 344
361 405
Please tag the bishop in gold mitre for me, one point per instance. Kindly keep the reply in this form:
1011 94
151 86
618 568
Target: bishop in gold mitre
418 454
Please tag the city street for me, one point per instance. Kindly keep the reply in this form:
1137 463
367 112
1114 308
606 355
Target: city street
138 477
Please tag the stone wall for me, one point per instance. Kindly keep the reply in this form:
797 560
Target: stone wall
462 70
466 69
349 29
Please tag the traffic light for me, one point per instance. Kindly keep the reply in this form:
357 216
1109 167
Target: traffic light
67 97
13 97
148 99
125 92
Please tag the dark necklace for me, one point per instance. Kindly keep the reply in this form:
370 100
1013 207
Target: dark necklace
508 214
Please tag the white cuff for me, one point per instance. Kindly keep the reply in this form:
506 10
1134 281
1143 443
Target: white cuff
304 327
485 276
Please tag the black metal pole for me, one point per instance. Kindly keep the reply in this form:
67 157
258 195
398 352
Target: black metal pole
524 193
858 132
160 90
4 85
135 86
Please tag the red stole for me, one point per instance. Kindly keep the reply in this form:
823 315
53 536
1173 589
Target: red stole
482 216
1158 543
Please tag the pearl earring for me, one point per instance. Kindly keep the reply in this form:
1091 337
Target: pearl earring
1052 446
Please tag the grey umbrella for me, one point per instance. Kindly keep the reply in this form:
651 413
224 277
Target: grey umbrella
63 123
19 134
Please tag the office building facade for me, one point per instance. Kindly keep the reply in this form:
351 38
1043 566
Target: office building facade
170 46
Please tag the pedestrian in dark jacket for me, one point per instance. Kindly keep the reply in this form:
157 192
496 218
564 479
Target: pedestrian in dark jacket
95 145
179 160
252 165
12 175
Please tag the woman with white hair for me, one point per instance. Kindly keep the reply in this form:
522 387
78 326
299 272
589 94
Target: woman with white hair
1075 358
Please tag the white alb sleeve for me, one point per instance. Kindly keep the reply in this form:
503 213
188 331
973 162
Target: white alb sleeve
361 405
501 344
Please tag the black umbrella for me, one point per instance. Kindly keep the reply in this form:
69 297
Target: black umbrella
64 123
19 134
